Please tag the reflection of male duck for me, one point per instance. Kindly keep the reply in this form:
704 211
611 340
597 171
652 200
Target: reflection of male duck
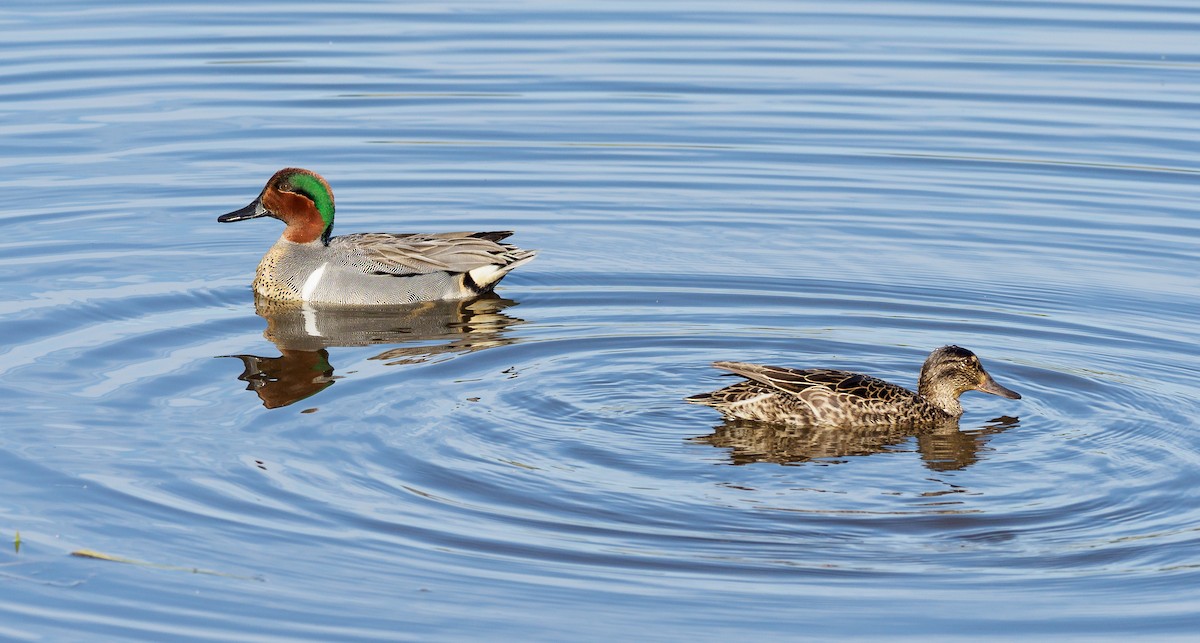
942 447
289 378
302 332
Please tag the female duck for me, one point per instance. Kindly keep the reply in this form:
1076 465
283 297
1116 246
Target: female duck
308 264
822 396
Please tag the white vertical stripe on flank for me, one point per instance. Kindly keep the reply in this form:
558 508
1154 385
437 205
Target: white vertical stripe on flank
310 284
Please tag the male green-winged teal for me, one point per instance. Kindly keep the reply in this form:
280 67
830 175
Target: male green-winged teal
308 264
822 396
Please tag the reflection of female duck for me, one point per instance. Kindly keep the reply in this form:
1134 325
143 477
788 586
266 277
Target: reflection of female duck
942 447
822 396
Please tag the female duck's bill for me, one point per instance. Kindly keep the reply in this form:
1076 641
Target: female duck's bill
989 385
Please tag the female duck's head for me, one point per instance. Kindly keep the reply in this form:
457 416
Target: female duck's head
951 371
300 198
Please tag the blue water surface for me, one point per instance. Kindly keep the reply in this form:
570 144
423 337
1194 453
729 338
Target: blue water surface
845 185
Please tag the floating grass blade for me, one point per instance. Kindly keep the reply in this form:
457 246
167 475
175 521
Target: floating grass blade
88 553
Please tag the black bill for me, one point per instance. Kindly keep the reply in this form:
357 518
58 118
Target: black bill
252 211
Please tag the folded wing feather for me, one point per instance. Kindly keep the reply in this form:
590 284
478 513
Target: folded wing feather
401 254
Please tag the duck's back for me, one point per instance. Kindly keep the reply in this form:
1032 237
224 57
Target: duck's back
816 396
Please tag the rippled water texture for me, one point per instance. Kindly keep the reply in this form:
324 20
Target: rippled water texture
846 185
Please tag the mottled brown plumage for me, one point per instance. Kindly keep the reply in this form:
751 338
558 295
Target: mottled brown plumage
823 396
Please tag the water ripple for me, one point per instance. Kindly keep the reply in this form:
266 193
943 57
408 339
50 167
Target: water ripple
847 187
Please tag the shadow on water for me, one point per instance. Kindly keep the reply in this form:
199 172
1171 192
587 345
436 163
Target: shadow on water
303 333
942 447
